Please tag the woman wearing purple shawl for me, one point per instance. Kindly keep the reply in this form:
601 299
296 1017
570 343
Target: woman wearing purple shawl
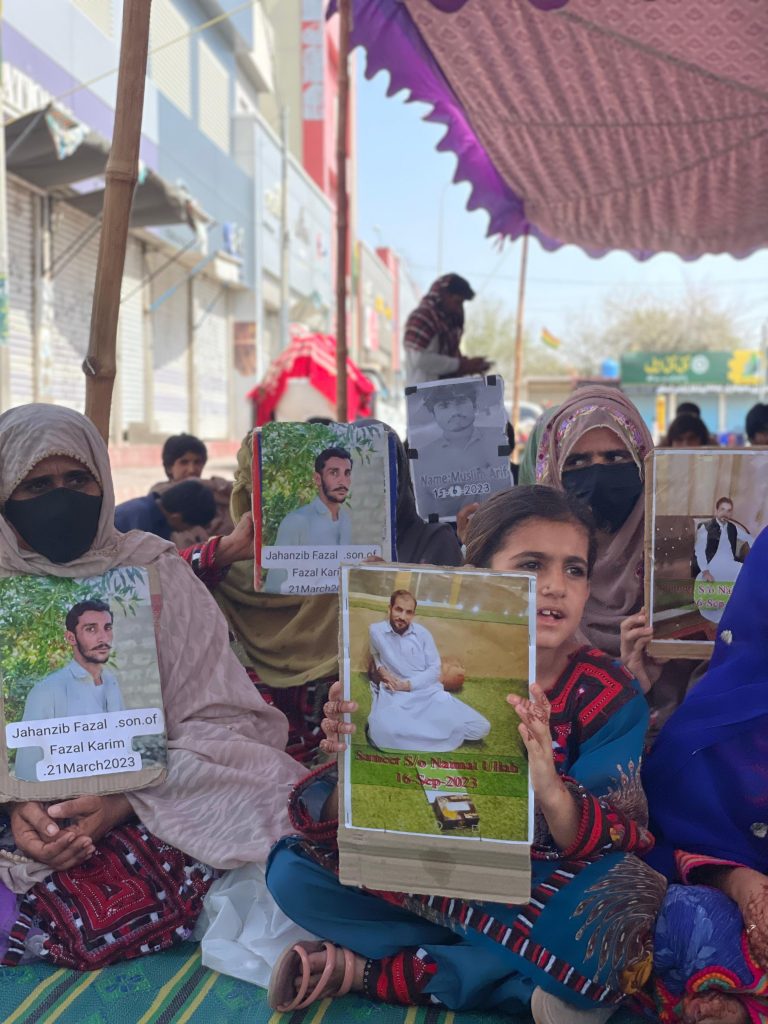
707 785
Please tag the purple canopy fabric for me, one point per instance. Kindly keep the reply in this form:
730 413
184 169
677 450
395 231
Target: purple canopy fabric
612 124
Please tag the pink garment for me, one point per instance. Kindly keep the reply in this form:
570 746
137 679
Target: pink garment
616 586
224 800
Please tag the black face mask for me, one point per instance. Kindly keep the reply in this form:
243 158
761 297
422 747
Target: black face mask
61 525
610 491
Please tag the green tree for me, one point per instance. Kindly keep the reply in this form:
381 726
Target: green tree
641 322
490 332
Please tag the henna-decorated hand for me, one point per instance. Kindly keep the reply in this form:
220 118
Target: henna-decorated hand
333 725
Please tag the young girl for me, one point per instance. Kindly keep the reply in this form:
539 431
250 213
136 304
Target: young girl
584 939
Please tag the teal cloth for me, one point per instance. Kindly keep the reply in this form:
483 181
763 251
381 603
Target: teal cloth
579 915
124 994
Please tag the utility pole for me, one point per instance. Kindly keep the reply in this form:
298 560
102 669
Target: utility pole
440 228
519 332
342 214
5 355
285 235
100 364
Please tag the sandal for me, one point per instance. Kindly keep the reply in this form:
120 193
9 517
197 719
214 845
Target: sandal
549 1009
285 997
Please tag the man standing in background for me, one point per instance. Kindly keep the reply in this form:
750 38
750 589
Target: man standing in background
433 334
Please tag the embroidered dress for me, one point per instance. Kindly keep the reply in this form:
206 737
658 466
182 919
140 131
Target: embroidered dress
135 895
706 782
700 948
222 736
585 935
202 559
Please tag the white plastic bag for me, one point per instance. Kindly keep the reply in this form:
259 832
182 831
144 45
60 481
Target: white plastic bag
241 929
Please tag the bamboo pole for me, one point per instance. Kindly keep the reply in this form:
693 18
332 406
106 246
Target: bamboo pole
5 355
285 236
122 173
342 214
519 322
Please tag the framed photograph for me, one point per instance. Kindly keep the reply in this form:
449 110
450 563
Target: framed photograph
457 441
436 771
327 495
705 508
82 703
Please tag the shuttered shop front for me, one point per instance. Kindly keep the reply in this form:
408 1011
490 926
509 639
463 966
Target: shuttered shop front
75 247
170 406
131 369
21 205
211 359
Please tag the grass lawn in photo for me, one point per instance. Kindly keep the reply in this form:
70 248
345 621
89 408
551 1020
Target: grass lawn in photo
389 789
477 624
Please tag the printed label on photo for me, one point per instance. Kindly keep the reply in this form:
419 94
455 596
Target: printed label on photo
86 745
312 559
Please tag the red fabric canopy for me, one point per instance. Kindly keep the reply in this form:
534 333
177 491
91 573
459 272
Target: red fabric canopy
312 356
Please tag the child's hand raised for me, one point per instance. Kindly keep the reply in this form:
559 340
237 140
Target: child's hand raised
636 634
333 726
534 729
554 800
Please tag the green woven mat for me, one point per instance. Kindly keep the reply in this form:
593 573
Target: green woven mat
174 988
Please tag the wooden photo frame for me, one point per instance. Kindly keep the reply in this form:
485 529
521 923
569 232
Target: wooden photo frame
307 523
704 510
435 788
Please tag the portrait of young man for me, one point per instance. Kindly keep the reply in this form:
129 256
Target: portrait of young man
324 521
84 686
410 708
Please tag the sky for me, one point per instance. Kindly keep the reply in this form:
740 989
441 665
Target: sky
404 194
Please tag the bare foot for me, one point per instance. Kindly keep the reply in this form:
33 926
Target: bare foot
317 964
714 1008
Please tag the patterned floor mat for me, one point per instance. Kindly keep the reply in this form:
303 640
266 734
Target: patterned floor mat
174 988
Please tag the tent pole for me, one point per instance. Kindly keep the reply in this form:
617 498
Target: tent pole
342 209
5 355
519 331
121 176
285 238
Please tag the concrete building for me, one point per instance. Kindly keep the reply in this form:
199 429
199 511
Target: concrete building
197 309
310 222
306 48
306 93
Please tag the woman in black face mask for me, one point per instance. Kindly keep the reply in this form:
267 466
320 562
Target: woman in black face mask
57 512
55 509
594 447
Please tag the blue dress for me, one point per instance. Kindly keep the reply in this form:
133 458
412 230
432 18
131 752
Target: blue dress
707 786
586 933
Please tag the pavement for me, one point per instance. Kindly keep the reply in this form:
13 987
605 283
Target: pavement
134 481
